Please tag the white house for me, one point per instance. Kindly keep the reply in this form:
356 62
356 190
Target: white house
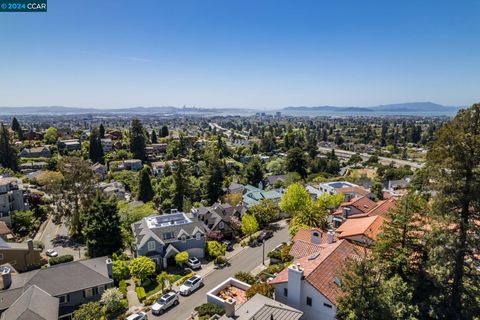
312 283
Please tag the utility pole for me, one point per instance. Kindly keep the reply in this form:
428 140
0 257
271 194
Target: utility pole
263 251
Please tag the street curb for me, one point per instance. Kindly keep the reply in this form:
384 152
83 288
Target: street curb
231 257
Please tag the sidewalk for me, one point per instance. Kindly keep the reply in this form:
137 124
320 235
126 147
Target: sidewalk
134 304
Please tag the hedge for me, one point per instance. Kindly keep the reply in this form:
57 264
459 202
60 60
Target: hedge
122 285
140 293
60 259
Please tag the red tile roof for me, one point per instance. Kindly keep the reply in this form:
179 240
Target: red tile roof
363 204
367 226
383 207
303 246
321 271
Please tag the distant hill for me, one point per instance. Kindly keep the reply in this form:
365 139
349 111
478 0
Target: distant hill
409 108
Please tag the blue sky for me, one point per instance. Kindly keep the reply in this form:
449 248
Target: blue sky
249 53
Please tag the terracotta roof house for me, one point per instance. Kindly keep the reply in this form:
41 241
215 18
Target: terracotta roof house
354 192
363 230
309 241
312 283
383 207
356 206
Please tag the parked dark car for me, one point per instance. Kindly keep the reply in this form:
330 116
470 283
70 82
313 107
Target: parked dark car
265 235
229 245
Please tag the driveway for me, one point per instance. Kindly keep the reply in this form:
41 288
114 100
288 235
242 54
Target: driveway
246 260
55 236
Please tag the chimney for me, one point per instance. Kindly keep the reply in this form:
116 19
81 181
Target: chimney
6 277
315 237
30 245
229 308
109 268
294 285
346 212
330 235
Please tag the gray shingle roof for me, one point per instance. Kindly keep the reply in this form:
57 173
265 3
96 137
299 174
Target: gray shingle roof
33 304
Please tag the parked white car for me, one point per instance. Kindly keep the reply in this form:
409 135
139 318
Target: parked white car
194 263
166 301
138 316
51 253
191 285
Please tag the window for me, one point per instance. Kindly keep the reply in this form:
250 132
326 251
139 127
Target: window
1 256
309 301
64 299
327 305
285 292
183 239
168 235
221 225
88 292
151 245
198 236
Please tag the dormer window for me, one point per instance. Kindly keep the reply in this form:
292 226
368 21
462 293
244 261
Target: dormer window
183 238
198 236
221 225
151 245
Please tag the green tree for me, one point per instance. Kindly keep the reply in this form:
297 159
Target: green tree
142 268
294 199
296 162
145 190
216 249
215 174
181 258
249 224
355 159
112 300
137 140
246 277
89 311
153 137
102 226
181 185
265 212
265 289
95 151
165 280
253 171
377 190
101 130
454 162
8 154
51 135
23 221
120 270
164 131
17 128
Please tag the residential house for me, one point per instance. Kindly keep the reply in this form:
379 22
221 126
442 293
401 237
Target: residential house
275 180
362 230
253 195
84 135
130 164
33 135
355 192
113 189
260 307
22 256
235 188
312 283
221 217
28 167
107 144
99 169
69 145
159 166
11 197
356 206
331 187
309 241
114 134
161 237
39 152
314 193
70 284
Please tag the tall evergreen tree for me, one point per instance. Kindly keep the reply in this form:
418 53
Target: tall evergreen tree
8 154
454 162
137 140
17 128
153 138
181 185
95 152
102 131
253 171
296 162
101 229
215 175
164 131
145 190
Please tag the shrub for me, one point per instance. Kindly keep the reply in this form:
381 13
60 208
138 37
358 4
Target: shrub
150 300
264 289
123 287
39 244
209 309
181 257
140 293
245 277
274 268
60 259
184 278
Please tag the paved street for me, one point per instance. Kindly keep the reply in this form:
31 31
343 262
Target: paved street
56 237
246 260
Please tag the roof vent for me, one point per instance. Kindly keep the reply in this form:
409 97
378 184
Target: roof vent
314 256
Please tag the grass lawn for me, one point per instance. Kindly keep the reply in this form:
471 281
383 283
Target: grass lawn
152 286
